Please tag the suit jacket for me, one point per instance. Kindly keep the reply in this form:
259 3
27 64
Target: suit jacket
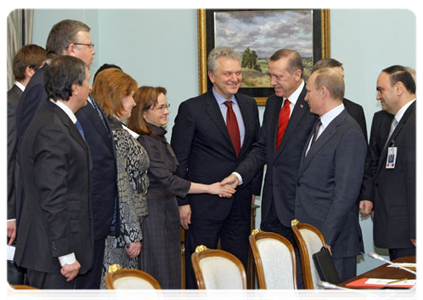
329 182
356 111
56 216
104 192
381 126
395 202
202 145
13 96
32 100
282 166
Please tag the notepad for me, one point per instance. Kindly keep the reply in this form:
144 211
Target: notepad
410 266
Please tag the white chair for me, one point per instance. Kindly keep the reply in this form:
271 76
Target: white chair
309 241
118 278
218 269
275 261
25 292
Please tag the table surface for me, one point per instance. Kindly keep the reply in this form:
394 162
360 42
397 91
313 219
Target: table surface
384 271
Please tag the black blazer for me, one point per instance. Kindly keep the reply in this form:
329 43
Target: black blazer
104 194
202 145
56 215
395 198
13 96
282 166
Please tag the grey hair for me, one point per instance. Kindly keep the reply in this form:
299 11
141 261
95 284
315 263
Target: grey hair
216 53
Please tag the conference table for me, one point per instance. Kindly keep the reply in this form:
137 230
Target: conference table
383 272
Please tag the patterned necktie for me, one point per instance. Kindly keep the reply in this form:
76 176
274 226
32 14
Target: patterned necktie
283 122
233 128
316 132
81 131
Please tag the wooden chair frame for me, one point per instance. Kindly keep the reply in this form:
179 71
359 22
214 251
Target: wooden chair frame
257 235
302 247
12 290
115 272
202 252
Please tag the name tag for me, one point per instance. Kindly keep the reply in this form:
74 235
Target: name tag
391 158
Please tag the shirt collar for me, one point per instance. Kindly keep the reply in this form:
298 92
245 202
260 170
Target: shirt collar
294 96
331 115
66 109
402 111
220 99
20 85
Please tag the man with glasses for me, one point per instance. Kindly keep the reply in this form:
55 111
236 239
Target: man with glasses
71 37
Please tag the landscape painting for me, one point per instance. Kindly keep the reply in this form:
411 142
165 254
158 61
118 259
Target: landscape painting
256 35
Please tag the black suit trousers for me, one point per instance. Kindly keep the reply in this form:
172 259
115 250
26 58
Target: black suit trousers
233 233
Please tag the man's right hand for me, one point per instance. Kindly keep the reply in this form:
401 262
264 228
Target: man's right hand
231 180
185 215
11 231
70 271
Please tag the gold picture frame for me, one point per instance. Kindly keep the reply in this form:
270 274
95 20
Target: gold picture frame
321 45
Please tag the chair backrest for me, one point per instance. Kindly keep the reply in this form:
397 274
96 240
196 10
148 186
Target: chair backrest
218 269
309 240
118 278
275 261
25 292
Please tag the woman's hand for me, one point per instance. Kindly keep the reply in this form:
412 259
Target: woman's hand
222 190
134 249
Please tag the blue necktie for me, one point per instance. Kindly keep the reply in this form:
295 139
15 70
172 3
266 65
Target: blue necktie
81 131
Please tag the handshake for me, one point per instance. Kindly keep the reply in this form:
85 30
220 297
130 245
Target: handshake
227 187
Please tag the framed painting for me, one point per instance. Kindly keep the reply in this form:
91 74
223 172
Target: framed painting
256 35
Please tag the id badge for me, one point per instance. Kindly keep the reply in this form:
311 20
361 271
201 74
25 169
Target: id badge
391 158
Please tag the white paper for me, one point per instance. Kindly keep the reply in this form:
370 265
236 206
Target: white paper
10 252
405 265
380 281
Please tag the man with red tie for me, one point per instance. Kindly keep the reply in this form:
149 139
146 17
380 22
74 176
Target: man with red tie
212 134
287 123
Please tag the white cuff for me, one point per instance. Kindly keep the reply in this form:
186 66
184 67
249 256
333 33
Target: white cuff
67 259
239 177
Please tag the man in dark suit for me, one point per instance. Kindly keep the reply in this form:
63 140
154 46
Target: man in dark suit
364 201
25 63
286 125
27 60
70 37
55 236
208 150
331 171
395 181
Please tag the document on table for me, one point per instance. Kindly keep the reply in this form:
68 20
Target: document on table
10 252
391 282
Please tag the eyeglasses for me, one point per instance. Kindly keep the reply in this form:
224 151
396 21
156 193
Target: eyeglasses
91 46
162 108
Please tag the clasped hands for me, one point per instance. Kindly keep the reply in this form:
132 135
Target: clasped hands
228 186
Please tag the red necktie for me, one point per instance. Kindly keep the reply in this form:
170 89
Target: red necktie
233 128
283 122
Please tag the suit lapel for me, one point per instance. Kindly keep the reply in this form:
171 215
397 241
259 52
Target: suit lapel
300 108
248 125
213 110
396 132
326 135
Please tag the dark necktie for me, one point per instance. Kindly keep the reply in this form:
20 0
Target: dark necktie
81 131
283 122
233 128
316 131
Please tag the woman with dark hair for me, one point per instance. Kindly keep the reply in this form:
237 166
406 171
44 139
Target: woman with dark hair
114 91
161 255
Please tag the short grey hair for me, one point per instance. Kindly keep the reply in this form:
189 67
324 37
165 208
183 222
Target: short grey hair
216 53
